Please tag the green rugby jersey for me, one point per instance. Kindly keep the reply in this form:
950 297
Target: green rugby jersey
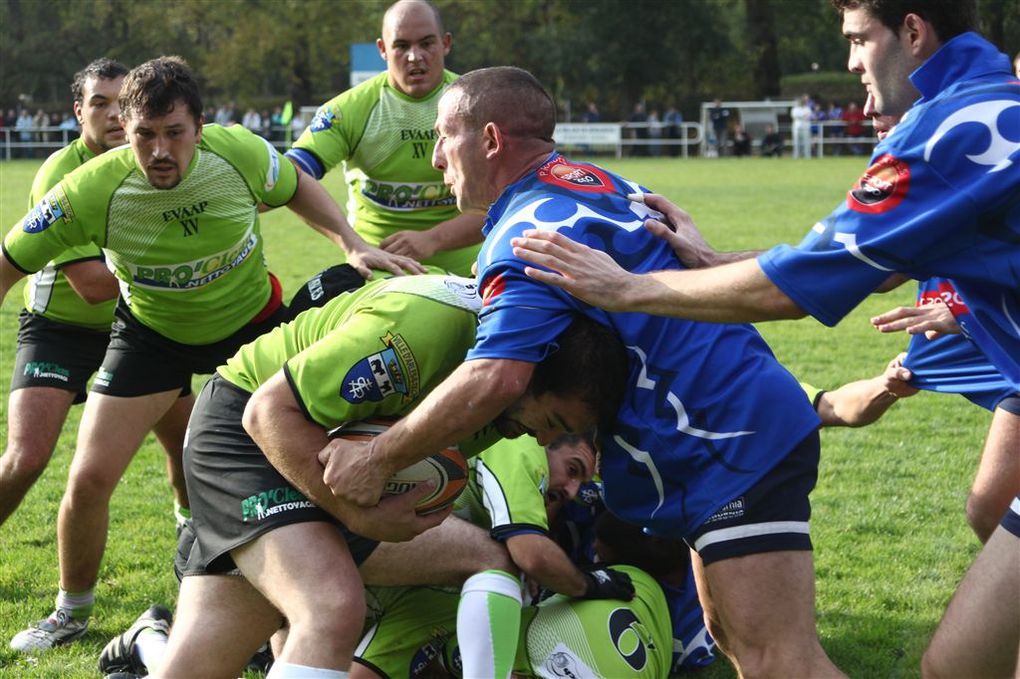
48 292
565 637
506 489
384 139
373 352
189 258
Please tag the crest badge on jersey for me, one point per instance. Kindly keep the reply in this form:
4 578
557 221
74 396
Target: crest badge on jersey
882 187
47 211
561 172
323 120
393 370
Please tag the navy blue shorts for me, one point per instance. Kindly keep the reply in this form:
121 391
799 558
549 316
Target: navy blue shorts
771 516
1011 521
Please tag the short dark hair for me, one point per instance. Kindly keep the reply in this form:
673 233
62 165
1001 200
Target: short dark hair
508 96
589 362
155 87
949 18
629 544
100 69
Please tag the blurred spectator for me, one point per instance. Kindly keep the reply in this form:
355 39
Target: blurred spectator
266 124
801 116
276 123
69 123
252 121
853 116
673 122
225 115
741 142
39 121
297 126
834 127
23 125
11 118
720 118
655 128
640 130
591 114
772 143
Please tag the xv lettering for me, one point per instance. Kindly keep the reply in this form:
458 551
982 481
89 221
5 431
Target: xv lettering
420 149
190 227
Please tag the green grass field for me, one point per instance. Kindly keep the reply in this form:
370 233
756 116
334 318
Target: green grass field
891 539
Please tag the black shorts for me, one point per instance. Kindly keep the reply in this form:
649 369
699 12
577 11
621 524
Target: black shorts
58 355
236 495
141 361
771 516
1011 519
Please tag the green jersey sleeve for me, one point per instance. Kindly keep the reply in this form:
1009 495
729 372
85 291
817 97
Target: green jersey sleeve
506 489
270 177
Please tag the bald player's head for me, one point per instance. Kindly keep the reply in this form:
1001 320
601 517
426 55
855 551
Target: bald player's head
508 96
414 46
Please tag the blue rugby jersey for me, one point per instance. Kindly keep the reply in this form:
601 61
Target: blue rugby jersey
941 198
953 363
708 409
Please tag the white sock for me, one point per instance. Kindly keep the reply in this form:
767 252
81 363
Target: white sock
488 624
151 647
286 670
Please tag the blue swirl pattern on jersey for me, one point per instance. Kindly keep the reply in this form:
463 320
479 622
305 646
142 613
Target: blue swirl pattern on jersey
708 410
941 198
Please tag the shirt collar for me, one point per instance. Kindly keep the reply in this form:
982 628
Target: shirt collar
965 57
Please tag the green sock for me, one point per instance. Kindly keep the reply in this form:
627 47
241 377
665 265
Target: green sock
80 604
488 624
181 514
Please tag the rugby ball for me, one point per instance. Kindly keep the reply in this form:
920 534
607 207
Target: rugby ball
447 468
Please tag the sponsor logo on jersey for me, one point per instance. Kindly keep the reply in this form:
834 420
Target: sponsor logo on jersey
323 120
394 370
397 196
273 173
266 503
561 172
493 289
563 662
628 634
882 187
195 274
47 211
47 370
946 294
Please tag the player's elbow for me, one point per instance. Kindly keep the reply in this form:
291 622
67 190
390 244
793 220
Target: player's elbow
257 414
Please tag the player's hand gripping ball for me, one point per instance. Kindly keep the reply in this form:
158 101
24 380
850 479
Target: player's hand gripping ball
447 468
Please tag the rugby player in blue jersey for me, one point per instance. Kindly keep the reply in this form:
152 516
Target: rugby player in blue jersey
716 442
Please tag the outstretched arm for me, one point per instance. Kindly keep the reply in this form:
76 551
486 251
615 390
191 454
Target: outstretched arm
739 292
312 203
9 275
934 320
862 402
678 229
458 232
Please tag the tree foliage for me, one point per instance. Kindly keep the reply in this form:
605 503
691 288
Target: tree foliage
615 52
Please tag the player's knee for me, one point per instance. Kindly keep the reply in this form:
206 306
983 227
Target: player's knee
90 485
338 615
932 665
24 463
983 514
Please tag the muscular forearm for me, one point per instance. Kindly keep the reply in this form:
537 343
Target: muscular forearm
734 293
543 561
856 404
458 232
470 398
313 204
92 281
290 442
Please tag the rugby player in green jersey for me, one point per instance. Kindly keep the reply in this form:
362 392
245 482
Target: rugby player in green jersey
381 131
65 325
176 213
374 352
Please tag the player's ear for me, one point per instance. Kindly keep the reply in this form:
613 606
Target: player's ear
493 139
447 42
919 36
201 124
381 46
78 114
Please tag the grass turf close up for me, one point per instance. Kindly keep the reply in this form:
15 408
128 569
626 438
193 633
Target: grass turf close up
891 540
